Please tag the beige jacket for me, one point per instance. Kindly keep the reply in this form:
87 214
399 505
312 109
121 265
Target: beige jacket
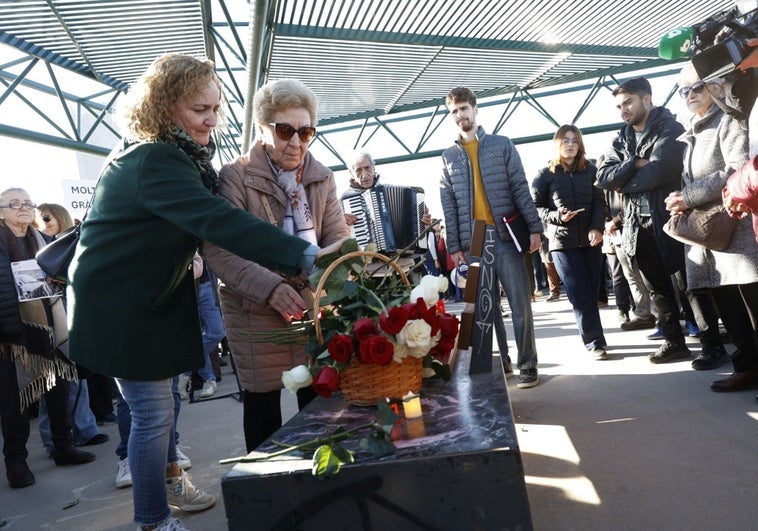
247 285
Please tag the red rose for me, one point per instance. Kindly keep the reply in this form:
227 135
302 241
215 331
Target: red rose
394 321
364 328
341 348
442 349
448 323
326 382
377 349
417 309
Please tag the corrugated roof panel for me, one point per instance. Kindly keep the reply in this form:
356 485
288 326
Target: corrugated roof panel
364 57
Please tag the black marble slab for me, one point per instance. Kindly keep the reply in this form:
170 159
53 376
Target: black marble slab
456 467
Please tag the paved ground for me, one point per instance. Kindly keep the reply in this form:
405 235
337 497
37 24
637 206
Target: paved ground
619 444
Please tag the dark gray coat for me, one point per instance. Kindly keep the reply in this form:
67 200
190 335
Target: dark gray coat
616 171
504 184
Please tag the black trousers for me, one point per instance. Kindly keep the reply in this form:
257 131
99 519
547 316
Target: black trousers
262 414
659 283
624 301
738 307
15 423
102 391
702 310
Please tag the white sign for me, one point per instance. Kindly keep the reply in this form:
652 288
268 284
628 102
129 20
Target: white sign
77 196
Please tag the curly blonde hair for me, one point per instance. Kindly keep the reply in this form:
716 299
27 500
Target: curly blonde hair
147 111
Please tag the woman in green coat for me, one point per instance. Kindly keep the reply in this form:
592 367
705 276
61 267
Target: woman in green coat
133 307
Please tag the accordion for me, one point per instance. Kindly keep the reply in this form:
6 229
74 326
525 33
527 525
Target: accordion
388 216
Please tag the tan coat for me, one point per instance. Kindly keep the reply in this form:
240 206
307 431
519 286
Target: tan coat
247 285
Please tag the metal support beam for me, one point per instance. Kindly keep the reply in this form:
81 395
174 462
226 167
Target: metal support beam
254 62
39 138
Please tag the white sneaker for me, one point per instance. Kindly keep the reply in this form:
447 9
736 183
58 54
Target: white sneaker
182 494
183 384
169 524
123 474
182 460
209 389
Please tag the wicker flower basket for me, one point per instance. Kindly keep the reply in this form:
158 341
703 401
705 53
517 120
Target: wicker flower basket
363 384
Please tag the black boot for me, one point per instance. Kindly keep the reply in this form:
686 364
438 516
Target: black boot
19 475
72 456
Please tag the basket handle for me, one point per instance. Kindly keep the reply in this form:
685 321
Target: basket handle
387 260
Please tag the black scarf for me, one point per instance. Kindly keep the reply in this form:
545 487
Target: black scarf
200 155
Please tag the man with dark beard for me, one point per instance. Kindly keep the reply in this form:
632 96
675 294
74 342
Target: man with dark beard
644 164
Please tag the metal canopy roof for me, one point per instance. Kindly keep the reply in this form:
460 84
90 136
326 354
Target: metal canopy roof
365 59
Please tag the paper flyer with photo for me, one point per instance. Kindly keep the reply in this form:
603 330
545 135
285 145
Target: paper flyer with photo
31 282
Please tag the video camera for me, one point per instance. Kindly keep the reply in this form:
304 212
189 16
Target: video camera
717 45
713 59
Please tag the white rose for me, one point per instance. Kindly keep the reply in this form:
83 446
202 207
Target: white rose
416 335
442 284
426 291
400 352
297 378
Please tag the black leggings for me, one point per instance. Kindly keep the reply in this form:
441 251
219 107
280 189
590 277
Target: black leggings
262 414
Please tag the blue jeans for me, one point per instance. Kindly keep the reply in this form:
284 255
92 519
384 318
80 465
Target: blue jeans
124 416
151 439
579 270
213 327
85 424
513 276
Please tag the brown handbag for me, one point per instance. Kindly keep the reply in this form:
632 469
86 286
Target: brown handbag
708 226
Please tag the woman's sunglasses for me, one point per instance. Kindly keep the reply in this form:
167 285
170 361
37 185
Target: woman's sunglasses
286 131
46 218
696 87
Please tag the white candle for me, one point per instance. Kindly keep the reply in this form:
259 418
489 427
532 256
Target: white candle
412 406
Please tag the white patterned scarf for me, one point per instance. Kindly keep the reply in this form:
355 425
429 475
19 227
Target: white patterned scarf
298 219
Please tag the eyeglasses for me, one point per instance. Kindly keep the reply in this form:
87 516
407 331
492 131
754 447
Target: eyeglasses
18 205
46 218
286 131
696 87
569 141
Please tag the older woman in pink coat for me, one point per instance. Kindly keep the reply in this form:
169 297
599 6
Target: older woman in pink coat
280 182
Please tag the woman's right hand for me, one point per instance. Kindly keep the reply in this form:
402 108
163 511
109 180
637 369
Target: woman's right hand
332 248
566 215
288 302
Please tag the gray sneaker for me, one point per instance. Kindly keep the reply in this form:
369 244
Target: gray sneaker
182 494
599 353
527 378
169 524
670 351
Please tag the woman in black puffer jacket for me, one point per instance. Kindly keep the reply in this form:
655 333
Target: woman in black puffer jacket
572 208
